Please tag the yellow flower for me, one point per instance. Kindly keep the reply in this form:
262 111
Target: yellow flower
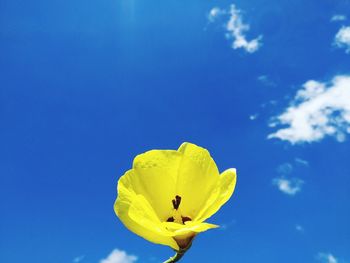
167 195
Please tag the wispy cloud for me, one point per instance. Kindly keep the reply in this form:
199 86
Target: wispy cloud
285 169
288 186
78 259
119 256
326 258
301 162
342 38
266 81
318 110
236 28
214 13
286 182
253 117
338 17
225 226
299 228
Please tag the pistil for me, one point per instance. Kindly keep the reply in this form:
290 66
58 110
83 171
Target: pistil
177 216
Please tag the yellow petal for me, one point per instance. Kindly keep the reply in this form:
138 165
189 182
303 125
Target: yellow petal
188 227
138 216
155 178
219 196
183 234
197 177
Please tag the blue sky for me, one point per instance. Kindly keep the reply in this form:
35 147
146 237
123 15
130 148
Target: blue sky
87 85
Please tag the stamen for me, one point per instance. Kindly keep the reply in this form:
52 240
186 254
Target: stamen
170 219
176 202
185 219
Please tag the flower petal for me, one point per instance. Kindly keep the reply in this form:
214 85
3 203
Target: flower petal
188 227
156 176
138 216
219 196
197 177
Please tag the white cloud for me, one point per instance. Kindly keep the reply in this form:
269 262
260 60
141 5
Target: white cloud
236 30
318 110
119 256
214 13
78 259
288 186
327 258
338 18
342 38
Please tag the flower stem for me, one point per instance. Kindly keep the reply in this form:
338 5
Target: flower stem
179 254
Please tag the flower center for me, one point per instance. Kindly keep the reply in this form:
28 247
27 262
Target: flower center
177 217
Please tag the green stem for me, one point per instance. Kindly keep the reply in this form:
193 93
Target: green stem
177 257
181 252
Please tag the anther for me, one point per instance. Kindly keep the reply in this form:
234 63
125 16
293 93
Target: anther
170 219
176 202
185 219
